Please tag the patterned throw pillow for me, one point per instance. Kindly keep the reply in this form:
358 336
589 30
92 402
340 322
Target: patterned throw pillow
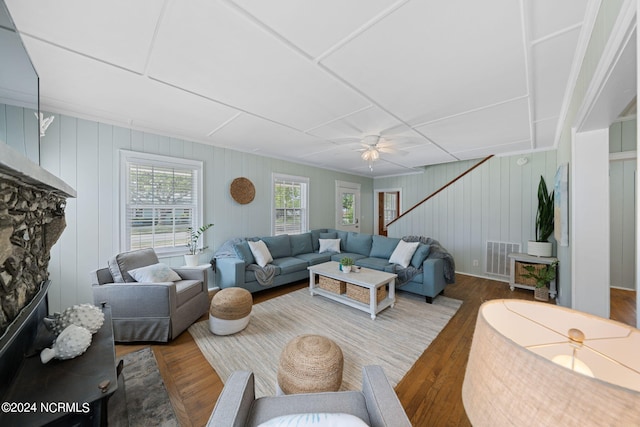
154 273
329 245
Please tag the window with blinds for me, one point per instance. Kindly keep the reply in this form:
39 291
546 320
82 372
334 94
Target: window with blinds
290 202
161 200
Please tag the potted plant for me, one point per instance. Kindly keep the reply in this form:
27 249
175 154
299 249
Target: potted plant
345 264
544 222
192 258
542 275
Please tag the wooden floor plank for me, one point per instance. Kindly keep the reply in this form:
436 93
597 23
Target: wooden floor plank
430 392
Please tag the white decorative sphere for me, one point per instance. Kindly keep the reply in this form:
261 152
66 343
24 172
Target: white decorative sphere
86 315
71 342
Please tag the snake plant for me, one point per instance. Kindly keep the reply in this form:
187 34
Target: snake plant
544 216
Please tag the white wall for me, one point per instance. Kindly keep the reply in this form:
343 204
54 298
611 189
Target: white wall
496 201
590 224
85 155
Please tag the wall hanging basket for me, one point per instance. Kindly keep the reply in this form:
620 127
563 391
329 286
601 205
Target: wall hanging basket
242 190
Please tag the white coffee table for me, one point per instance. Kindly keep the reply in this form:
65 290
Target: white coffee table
366 277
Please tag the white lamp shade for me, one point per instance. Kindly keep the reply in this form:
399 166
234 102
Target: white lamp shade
511 380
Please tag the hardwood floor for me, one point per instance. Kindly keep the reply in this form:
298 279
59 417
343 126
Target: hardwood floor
431 390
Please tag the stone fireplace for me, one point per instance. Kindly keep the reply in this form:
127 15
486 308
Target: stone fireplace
32 203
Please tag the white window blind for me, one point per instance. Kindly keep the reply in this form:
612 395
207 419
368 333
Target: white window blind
161 200
290 202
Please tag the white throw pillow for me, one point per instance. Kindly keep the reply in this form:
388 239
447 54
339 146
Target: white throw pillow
260 252
329 245
154 273
403 253
315 420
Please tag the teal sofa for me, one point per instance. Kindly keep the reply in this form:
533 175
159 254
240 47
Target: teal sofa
292 254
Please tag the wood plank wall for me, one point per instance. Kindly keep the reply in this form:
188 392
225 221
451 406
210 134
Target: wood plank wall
496 202
85 154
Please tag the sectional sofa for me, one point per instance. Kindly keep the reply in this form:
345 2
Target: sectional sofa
292 254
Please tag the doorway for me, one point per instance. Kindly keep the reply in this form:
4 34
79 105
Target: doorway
347 206
387 207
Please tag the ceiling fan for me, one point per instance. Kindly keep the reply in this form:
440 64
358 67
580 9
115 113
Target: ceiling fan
373 145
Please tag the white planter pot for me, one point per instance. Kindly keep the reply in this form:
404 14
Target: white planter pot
539 248
192 260
346 268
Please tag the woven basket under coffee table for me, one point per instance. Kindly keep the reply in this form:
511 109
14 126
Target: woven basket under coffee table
230 311
310 364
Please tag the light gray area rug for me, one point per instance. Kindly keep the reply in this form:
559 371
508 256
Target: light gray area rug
394 340
147 399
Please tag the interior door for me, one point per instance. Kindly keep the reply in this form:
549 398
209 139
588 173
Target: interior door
388 209
347 206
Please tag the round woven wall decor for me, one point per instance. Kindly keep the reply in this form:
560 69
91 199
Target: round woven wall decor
242 190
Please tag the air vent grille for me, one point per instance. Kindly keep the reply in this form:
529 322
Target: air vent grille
497 259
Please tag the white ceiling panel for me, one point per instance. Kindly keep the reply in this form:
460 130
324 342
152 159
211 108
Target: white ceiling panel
130 99
115 31
551 16
430 60
316 26
210 49
514 147
250 133
545 132
498 125
549 81
369 121
306 81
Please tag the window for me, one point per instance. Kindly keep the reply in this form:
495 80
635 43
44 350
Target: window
160 200
290 204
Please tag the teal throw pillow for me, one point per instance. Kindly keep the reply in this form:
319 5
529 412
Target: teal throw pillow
421 253
243 251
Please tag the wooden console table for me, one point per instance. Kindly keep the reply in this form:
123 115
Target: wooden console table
529 259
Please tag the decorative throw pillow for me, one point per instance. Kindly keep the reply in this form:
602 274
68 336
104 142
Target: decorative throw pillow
315 420
260 253
329 245
154 273
420 255
403 252
243 251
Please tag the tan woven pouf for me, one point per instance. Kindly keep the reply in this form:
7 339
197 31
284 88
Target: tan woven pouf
310 364
230 311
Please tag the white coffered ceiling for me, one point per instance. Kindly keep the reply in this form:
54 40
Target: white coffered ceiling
442 80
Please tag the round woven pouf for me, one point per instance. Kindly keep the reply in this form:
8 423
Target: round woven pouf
310 364
230 311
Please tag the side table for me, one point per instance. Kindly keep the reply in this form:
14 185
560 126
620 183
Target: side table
529 259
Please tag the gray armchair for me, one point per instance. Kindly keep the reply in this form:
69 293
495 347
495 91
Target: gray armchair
377 404
149 311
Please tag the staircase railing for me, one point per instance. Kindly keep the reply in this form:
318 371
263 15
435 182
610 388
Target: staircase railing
441 188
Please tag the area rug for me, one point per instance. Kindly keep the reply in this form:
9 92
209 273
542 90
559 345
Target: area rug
394 340
147 400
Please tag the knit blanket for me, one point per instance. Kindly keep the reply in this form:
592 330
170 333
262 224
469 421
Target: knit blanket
264 275
437 251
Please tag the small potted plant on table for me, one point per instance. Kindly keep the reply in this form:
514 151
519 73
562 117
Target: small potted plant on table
191 259
543 275
345 264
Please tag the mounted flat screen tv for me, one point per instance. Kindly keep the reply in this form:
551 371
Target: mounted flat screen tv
19 92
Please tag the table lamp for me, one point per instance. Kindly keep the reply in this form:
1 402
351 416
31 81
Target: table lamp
541 364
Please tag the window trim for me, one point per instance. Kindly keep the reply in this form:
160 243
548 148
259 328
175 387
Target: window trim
294 178
128 156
